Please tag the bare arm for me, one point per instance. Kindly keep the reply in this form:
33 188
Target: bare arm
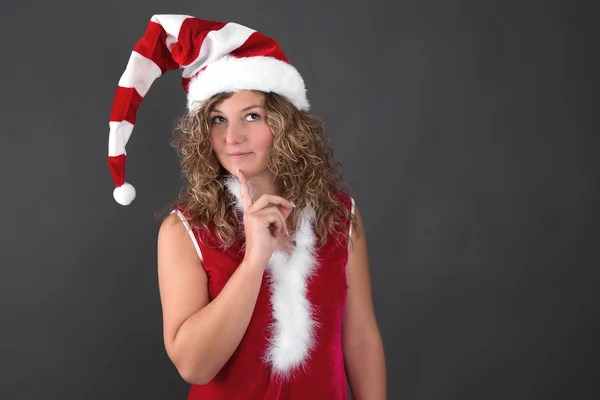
362 344
200 336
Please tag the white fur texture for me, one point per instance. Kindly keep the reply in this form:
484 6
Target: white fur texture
124 194
292 334
293 331
232 74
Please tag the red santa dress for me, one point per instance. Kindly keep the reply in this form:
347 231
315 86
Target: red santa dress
292 348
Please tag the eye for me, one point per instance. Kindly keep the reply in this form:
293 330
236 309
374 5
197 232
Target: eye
217 120
252 117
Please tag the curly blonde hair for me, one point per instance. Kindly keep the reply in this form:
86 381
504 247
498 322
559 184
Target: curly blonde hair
301 161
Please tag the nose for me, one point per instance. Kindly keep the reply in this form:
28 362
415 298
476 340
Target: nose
234 133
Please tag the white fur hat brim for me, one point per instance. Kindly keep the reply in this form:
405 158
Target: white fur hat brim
233 74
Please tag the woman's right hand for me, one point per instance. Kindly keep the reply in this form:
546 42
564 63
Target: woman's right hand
264 223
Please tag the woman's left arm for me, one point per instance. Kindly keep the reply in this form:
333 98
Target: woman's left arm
362 344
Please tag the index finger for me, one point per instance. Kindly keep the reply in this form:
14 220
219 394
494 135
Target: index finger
245 193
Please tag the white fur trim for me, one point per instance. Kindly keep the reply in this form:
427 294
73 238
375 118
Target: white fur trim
124 194
232 74
293 331
190 232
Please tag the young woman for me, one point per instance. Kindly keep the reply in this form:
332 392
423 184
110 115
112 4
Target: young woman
262 264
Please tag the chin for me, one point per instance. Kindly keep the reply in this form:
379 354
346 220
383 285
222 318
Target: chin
232 168
250 167
249 170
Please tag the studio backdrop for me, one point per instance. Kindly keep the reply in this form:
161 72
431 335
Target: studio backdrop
466 130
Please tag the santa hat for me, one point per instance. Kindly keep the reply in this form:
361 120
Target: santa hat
215 57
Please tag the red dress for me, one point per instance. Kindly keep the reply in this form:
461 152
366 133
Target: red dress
292 349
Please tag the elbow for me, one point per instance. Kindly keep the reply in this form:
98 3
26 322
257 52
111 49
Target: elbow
188 367
195 378
194 374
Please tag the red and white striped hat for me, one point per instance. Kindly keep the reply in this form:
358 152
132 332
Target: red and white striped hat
215 57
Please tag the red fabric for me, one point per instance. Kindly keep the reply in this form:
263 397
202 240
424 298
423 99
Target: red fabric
245 376
185 82
153 46
125 105
260 45
117 168
192 33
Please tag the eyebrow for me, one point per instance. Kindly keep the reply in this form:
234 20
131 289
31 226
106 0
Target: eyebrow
245 109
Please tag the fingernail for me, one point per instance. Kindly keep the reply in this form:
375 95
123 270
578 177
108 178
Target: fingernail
237 172
293 205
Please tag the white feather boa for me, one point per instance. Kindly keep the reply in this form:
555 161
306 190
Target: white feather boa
292 333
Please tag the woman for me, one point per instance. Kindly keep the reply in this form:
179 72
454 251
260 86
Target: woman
262 265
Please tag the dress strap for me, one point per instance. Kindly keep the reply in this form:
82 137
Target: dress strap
190 231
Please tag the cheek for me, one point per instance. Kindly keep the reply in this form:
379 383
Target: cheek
263 140
214 141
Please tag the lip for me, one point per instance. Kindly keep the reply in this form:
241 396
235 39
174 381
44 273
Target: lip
238 155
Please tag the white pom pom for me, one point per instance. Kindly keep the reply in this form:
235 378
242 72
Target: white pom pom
124 194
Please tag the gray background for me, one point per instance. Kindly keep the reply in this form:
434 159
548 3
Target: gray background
467 130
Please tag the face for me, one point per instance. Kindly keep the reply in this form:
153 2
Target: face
240 135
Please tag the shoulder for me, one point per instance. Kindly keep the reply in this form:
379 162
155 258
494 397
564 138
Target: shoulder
176 234
172 228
